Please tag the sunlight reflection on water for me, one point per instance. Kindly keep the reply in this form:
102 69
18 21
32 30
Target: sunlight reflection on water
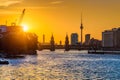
60 65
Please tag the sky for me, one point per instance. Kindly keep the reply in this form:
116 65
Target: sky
61 17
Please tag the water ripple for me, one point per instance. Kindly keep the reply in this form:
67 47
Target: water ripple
60 65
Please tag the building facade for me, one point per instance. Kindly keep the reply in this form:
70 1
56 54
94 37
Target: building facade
108 39
117 38
111 38
95 43
87 39
74 39
3 28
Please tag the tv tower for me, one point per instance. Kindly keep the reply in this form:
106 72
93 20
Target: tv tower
81 28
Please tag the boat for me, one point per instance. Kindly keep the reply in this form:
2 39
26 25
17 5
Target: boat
14 57
95 52
4 62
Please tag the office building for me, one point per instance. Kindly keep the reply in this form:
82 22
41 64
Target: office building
111 38
107 38
74 39
87 39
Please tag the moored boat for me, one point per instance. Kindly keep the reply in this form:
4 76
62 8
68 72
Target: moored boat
4 62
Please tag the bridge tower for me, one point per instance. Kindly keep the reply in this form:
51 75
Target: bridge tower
52 44
66 43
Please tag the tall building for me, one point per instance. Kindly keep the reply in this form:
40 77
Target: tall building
111 38
74 39
107 38
87 39
117 38
81 28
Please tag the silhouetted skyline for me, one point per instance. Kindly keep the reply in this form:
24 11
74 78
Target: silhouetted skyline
61 16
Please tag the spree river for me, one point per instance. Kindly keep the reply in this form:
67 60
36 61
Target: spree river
60 65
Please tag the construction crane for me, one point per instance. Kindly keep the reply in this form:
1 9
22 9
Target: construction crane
21 17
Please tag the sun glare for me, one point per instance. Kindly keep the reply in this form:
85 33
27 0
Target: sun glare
25 28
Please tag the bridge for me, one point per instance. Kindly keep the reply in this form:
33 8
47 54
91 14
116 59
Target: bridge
71 47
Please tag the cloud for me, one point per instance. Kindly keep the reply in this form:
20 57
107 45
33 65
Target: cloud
57 2
6 3
37 4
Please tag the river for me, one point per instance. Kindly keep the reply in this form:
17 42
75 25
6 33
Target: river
60 65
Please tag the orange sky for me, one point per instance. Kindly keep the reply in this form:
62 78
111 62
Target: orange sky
62 16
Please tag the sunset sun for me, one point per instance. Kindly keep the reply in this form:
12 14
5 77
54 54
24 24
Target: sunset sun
25 28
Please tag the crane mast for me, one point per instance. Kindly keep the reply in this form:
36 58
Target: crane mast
21 17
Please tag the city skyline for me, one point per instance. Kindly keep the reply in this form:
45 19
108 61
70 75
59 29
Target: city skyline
61 16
